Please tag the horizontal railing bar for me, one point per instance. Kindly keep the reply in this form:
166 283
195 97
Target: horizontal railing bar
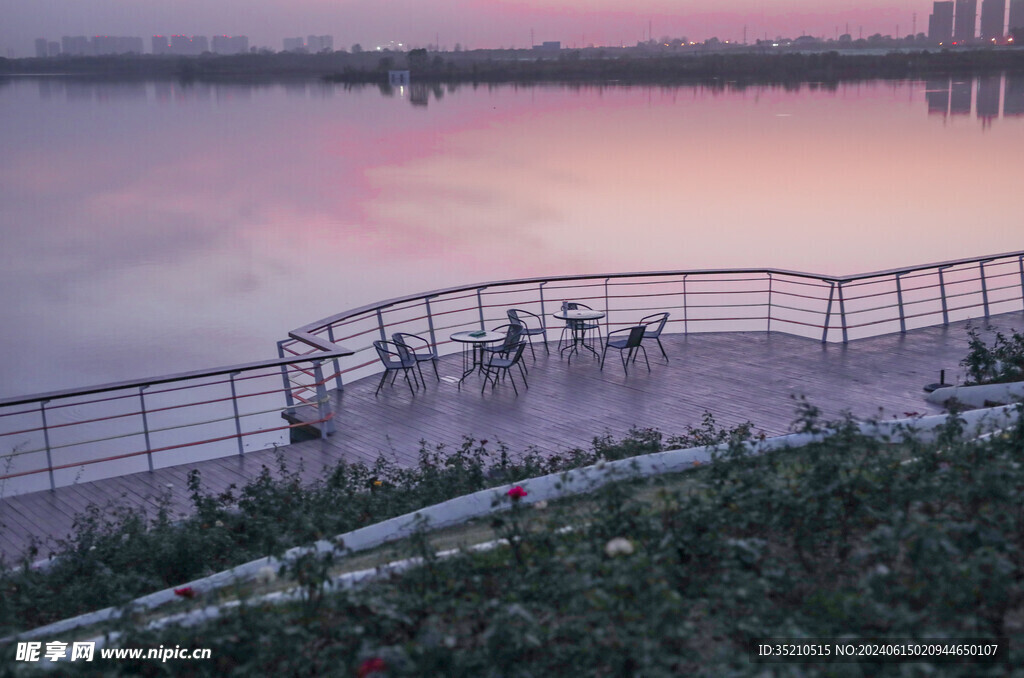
164 449
851 279
338 352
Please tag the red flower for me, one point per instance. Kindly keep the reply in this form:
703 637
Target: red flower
185 592
517 493
371 666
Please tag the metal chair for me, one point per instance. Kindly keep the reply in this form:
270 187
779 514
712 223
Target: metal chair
655 323
498 362
627 345
533 325
394 358
513 335
581 325
419 349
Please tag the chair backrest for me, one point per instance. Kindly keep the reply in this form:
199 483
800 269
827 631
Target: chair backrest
636 335
515 315
655 323
390 357
574 306
405 351
512 336
519 352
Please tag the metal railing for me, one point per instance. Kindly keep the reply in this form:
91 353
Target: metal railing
63 437
55 438
828 308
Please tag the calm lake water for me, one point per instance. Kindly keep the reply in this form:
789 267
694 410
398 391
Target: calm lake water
148 228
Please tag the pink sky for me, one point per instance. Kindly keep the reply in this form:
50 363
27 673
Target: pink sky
473 23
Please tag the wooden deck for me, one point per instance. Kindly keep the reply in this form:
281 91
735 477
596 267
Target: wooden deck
737 377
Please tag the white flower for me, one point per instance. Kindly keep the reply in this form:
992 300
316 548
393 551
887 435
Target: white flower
266 574
618 546
541 505
219 523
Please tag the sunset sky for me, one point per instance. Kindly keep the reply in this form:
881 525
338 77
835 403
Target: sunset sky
473 23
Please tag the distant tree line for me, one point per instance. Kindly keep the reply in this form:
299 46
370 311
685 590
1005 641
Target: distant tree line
493 66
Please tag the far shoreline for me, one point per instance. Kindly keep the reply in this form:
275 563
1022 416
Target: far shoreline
588 66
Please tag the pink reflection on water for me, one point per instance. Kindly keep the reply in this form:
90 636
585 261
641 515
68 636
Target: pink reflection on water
207 224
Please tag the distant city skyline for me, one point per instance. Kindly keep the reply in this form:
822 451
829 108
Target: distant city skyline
470 23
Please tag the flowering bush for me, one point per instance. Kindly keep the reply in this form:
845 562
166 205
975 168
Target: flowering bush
116 554
846 538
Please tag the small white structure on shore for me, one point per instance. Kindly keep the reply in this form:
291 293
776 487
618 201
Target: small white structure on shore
398 78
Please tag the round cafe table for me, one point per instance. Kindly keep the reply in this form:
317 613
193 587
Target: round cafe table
473 349
577 320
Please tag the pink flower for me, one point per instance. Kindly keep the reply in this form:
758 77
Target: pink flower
371 666
517 493
185 592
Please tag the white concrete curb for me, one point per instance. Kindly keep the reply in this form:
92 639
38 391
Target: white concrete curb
978 396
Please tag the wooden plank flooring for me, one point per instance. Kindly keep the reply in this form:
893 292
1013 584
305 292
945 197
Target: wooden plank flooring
737 377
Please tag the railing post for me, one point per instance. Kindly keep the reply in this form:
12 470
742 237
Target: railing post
770 281
430 323
984 287
238 419
46 440
899 302
544 317
686 315
942 294
828 312
380 326
1020 262
607 314
842 312
145 426
337 367
480 304
326 417
288 399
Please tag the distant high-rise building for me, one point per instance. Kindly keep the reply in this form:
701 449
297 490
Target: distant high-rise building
966 19
229 44
184 45
294 44
109 44
53 48
992 14
77 45
1016 14
940 23
40 47
320 43
160 44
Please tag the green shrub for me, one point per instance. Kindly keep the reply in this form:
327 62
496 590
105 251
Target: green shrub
116 555
1001 363
849 537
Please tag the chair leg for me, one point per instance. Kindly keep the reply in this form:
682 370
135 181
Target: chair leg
603 354
658 339
524 376
419 368
508 373
436 375
529 339
383 378
405 371
645 357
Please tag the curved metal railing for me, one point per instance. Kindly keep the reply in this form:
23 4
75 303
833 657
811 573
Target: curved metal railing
57 438
829 308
